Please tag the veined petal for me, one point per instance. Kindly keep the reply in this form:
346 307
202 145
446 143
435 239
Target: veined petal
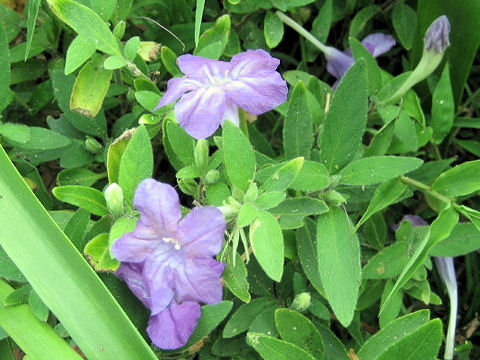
159 273
338 62
251 62
378 43
201 232
130 248
259 93
231 112
202 69
133 277
159 209
199 280
200 112
172 327
176 87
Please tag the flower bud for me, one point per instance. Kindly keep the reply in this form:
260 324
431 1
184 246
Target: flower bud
149 50
436 37
301 302
201 154
114 198
334 197
212 177
93 145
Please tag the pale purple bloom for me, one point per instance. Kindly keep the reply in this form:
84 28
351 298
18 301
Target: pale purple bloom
212 91
170 266
339 62
437 34
415 220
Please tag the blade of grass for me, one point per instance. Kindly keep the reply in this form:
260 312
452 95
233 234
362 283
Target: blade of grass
61 276
198 19
36 338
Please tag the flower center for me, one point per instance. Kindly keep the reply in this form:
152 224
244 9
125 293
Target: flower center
174 241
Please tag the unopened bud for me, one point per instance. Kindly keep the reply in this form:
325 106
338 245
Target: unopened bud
436 37
114 198
201 153
149 50
301 302
93 145
334 197
212 177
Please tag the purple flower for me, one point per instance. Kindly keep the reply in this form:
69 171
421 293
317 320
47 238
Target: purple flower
415 220
212 91
169 261
339 62
437 34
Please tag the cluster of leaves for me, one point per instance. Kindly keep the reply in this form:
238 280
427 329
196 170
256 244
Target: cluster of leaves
313 267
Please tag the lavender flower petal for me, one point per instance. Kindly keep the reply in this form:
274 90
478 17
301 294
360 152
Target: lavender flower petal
437 34
202 69
130 248
251 62
199 280
258 93
201 231
200 112
231 113
176 87
159 207
133 277
337 62
171 328
378 43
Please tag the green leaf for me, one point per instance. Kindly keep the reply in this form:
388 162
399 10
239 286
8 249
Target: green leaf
460 180
5 73
248 212
264 323
90 88
361 18
78 176
242 318
198 19
169 59
46 344
131 48
273 30
300 206
443 107
235 277
238 155
307 254
423 343
213 41
42 139
463 239
104 8
283 176
381 141
182 145
136 163
84 197
79 51
266 239
338 252
373 71
299 330
270 348
18 133
298 127
32 11
87 24
212 316
98 253
404 20
63 280
384 195
345 120
312 176
387 263
114 62
37 306
270 199
377 169
393 332
76 227
334 348
6 353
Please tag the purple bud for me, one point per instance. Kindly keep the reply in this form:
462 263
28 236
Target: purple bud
436 36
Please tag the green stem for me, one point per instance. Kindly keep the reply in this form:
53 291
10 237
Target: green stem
426 188
301 30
